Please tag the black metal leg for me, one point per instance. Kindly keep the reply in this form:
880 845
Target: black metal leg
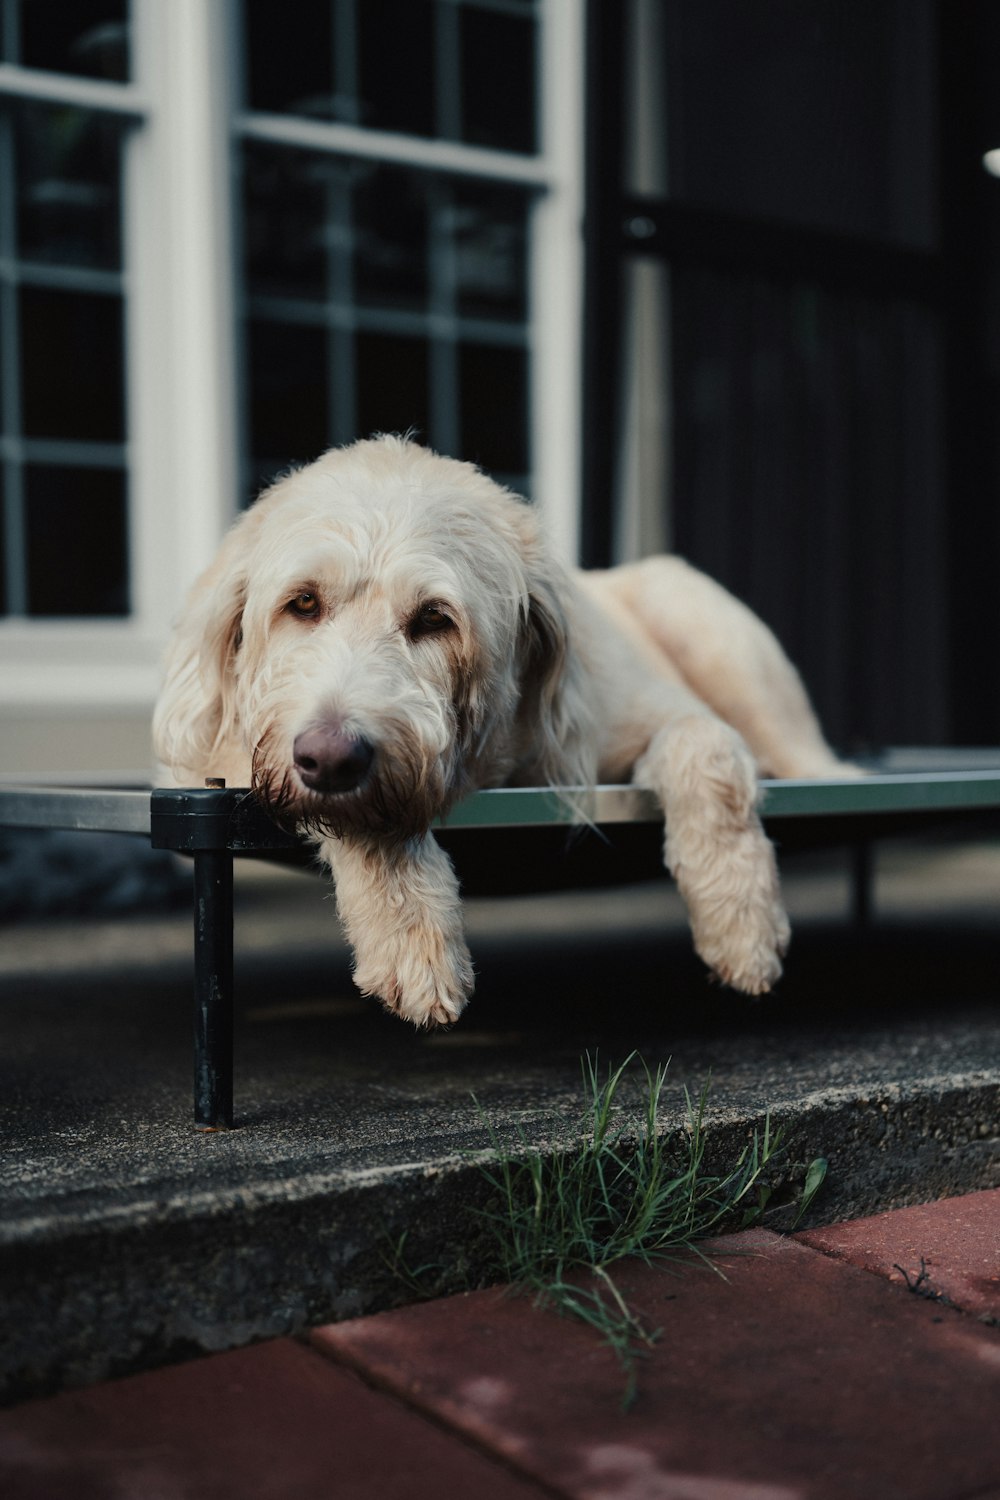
862 884
213 989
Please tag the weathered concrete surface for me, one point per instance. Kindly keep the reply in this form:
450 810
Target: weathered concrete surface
127 1239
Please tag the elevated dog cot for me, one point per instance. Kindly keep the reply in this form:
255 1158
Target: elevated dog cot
504 840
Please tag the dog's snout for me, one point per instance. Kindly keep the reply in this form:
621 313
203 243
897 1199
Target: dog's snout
328 760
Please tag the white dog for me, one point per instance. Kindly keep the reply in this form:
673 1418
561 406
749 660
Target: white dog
385 631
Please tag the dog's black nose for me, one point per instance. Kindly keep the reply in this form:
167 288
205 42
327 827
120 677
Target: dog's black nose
328 760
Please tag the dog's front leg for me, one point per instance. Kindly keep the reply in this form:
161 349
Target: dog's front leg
400 907
716 849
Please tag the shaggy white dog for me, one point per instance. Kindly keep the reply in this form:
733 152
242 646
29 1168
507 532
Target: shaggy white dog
385 631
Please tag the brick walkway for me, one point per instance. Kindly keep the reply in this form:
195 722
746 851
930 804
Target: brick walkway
859 1362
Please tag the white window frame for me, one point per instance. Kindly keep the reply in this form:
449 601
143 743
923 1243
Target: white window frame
179 277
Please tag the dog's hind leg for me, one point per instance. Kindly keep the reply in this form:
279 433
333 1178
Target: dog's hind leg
731 660
716 849
400 908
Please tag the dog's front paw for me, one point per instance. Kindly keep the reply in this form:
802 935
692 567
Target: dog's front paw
747 954
425 978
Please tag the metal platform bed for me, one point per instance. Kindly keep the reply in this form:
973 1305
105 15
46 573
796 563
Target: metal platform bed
502 840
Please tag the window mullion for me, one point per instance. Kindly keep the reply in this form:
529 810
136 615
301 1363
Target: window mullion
448 92
10 21
180 257
341 325
345 67
41 87
444 385
338 139
556 297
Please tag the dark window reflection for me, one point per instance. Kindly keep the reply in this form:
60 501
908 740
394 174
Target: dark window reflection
400 266
77 541
391 249
416 67
396 65
498 79
392 393
288 392
297 221
72 382
68 187
85 37
494 407
489 226
289 57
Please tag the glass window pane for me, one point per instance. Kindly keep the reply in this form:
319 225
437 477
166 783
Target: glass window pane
490 229
392 393
819 114
296 211
299 239
289 399
494 408
86 37
68 187
71 345
77 541
289 57
396 65
378 64
391 234
498 79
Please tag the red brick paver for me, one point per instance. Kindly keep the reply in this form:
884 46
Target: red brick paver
797 1377
952 1249
275 1422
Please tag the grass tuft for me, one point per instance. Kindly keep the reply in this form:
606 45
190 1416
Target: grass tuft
630 1190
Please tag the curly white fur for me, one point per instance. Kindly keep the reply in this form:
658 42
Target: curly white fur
530 675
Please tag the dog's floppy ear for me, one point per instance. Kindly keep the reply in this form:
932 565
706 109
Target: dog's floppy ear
195 715
553 699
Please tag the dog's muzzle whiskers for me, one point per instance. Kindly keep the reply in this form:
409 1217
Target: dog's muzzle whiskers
399 799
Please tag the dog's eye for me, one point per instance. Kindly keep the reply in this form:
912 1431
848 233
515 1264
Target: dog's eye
430 619
305 606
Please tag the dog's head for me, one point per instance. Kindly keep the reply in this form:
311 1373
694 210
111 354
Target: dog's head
381 632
